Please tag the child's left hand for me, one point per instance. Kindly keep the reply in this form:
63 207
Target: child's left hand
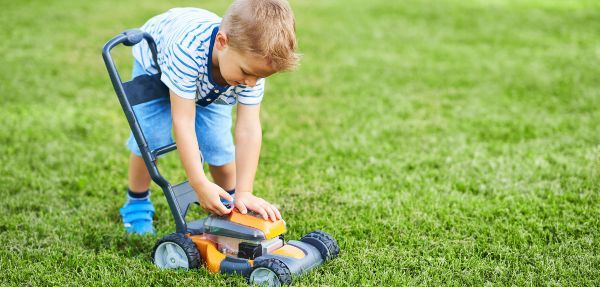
245 201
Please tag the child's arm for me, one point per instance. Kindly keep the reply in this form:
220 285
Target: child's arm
184 114
248 139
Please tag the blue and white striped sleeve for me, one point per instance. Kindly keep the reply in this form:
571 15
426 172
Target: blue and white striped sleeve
180 71
251 95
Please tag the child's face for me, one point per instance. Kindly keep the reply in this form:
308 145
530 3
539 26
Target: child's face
237 67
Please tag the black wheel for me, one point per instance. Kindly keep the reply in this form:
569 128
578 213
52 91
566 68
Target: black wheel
324 242
270 272
176 251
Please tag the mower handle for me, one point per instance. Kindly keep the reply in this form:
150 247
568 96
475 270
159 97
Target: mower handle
129 38
180 196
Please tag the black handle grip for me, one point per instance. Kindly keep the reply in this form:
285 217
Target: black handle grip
133 37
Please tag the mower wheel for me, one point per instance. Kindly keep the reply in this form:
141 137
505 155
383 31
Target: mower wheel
324 242
176 251
270 272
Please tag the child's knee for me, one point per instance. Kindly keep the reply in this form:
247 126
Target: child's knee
226 170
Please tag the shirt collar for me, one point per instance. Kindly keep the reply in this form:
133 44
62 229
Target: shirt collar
213 36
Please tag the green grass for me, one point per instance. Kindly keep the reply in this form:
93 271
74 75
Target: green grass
441 142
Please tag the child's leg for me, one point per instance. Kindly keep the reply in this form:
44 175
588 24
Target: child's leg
154 118
139 178
224 175
138 211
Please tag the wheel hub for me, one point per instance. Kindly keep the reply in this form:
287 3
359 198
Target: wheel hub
264 277
170 255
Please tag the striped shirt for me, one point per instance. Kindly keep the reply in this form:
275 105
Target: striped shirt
184 40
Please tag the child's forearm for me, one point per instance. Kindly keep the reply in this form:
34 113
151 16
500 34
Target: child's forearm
184 113
248 139
189 152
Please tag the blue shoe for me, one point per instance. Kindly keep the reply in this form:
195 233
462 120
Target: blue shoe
137 216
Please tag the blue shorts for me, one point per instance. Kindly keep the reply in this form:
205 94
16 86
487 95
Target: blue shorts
213 127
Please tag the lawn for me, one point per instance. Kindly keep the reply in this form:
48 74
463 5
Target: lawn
441 142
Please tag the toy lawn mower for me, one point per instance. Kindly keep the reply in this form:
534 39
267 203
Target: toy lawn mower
237 243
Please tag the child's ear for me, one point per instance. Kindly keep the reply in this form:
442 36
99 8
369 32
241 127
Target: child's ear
221 40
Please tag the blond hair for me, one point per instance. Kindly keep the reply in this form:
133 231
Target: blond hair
263 27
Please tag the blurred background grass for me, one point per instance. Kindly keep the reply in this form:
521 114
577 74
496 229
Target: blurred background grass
441 142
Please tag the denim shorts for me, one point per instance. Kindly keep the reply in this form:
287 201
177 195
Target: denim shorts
213 127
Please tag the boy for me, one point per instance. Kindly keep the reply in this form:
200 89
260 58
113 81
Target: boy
209 64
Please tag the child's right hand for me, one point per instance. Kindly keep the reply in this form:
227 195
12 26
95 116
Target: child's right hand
210 195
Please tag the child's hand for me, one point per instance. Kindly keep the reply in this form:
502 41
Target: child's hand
210 195
245 201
